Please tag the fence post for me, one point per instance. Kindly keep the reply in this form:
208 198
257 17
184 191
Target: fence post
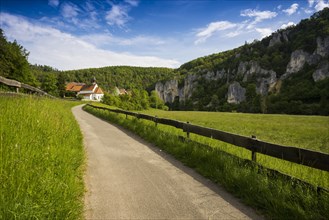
253 153
187 131
156 121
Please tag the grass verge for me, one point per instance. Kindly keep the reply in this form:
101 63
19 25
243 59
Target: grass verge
274 196
41 159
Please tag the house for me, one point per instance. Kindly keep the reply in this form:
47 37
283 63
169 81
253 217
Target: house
91 92
88 92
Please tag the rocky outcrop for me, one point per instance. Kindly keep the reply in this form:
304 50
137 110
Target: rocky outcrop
211 75
322 48
186 91
265 79
278 38
322 72
168 90
236 93
297 60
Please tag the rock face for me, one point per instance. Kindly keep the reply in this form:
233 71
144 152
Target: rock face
322 46
322 72
190 82
236 93
168 90
297 60
265 79
278 38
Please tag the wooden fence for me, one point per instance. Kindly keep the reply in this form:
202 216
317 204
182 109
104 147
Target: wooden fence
18 85
293 154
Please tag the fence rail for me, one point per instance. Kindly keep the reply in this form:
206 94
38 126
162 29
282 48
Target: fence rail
305 157
14 83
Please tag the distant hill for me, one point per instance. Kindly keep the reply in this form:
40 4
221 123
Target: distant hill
287 72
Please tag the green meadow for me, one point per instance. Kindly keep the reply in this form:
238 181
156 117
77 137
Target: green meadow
309 132
41 159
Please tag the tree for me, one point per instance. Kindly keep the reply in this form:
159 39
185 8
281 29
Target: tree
155 101
49 84
13 61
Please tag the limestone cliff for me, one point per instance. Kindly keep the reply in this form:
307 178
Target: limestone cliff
236 93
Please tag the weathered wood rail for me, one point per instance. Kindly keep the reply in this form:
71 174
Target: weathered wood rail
17 85
297 155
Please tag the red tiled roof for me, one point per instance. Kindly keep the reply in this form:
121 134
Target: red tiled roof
74 87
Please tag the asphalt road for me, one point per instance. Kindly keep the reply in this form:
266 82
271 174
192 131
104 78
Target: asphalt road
127 178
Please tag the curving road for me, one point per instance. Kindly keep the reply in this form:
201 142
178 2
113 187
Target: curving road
127 178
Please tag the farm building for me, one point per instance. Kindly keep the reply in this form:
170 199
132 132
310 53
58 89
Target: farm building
89 92
92 92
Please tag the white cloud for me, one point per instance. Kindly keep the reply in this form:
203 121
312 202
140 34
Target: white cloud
264 32
49 46
258 15
53 3
69 10
212 28
321 4
292 10
279 7
290 23
118 15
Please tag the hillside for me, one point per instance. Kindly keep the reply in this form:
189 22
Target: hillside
286 72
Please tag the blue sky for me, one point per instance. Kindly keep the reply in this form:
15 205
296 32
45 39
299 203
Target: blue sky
73 34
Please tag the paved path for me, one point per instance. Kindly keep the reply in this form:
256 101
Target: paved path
127 178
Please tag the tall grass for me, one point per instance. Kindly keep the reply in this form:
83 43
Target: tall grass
275 196
41 160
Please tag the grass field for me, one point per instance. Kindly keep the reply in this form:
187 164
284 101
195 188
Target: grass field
41 159
276 197
309 132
